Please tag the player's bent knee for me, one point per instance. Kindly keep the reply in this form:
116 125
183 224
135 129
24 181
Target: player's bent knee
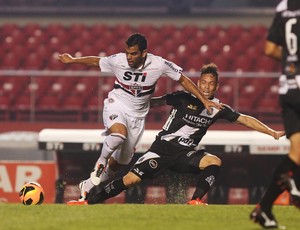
130 179
216 161
210 160
118 128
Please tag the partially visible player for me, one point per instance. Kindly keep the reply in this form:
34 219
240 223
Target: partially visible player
283 44
127 105
175 147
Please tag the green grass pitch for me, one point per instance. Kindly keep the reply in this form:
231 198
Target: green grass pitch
138 216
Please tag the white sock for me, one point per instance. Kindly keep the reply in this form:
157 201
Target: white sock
88 185
108 174
111 143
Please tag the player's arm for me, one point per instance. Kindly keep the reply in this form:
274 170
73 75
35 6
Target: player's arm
257 125
273 50
158 101
87 60
188 85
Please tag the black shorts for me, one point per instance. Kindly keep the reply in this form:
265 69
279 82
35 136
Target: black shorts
290 104
151 165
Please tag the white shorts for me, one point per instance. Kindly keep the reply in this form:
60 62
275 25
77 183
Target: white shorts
135 128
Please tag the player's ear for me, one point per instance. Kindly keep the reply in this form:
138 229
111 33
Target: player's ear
198 83
144 53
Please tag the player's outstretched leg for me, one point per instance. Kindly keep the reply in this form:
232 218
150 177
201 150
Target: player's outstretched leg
98 194
266 220
112 189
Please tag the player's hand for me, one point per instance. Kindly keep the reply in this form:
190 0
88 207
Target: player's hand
210 104
65 58
278 134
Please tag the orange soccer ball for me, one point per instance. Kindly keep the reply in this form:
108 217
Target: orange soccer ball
32 193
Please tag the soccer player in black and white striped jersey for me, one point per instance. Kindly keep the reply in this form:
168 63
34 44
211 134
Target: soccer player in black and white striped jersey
283 44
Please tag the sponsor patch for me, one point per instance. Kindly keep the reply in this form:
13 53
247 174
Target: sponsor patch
185 141
153 164
192 107
170 64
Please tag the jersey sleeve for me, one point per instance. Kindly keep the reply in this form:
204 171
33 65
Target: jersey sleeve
229 114
170 69
106 63
274 34
174 98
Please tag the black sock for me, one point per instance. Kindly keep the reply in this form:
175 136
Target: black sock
274 189
110 190
296 177
206 180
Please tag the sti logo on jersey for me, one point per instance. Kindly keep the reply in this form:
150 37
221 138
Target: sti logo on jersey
137 77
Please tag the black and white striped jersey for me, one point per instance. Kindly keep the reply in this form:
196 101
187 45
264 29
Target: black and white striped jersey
187 123
285 31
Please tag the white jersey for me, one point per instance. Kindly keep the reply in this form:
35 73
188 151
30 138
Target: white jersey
134 87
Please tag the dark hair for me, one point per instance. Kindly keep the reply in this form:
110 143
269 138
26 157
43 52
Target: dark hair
210 68
137 39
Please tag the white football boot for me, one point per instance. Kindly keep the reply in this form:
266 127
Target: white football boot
96 174
83 192
295 193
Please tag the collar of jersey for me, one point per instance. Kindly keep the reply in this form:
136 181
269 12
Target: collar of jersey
147 62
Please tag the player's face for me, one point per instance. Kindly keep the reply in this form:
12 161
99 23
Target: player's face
208 85
135 57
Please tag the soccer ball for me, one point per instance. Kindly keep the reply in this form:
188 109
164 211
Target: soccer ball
32 193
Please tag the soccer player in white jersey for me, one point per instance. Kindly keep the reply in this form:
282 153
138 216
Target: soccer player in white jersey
127 105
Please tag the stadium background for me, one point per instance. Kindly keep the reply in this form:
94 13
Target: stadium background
38 92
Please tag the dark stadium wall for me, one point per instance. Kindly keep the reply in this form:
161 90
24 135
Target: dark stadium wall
157 21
